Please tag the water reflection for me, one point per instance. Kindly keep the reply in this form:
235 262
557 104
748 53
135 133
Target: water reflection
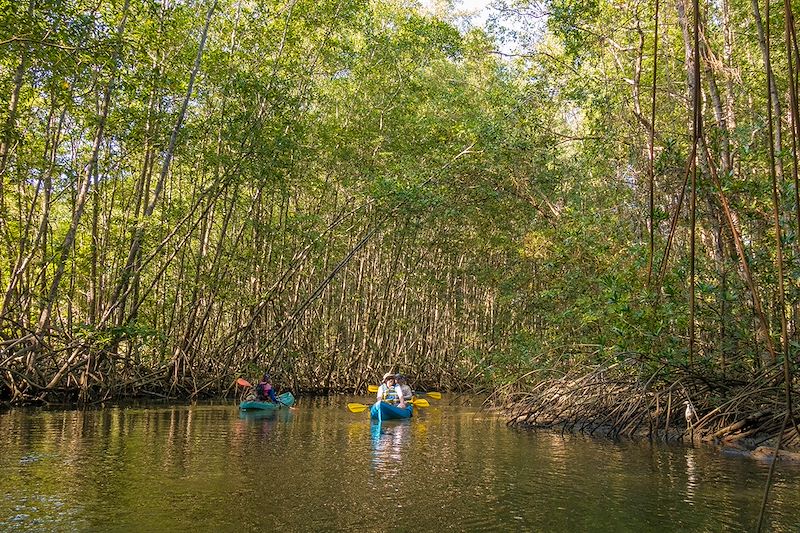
264 420
284 415
388 446
152 469
691 476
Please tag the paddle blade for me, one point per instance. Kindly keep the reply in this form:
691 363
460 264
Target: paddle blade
357 407
373 389
421 402
434 395
243 382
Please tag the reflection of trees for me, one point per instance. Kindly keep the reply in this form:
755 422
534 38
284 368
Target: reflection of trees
387 446
264 420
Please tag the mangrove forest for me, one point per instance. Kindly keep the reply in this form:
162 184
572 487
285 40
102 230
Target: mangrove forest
586 210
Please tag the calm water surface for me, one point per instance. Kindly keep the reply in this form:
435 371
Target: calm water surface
321 468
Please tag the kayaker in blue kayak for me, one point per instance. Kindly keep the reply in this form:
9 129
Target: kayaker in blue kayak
401 381
265 391
390 391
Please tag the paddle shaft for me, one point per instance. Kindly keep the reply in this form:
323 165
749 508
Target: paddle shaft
360 407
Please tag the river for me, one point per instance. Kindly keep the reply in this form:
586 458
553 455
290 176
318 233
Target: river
205 467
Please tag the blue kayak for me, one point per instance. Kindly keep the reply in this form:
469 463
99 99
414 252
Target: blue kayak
286 400
387 411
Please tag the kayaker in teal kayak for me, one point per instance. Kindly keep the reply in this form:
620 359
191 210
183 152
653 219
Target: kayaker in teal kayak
390 391
265 391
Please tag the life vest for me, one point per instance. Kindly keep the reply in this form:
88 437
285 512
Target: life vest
390 394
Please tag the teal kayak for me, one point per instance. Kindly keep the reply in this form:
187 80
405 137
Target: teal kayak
387 411
285 400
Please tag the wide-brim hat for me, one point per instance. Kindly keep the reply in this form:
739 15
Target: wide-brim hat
387 376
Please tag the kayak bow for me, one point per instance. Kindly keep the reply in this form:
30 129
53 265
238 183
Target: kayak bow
387 411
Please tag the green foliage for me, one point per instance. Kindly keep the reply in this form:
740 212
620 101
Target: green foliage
101 338
511 196
570 20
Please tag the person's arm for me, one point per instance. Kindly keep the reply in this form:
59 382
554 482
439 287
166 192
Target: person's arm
379 397
399 390
272 395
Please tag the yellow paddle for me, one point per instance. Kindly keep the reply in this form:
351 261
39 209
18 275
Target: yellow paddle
357 407
360 407
435 395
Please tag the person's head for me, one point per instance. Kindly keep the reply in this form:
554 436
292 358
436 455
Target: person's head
266 377
388 377
401 379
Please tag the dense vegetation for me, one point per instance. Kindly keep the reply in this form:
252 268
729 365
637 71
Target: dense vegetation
194 191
